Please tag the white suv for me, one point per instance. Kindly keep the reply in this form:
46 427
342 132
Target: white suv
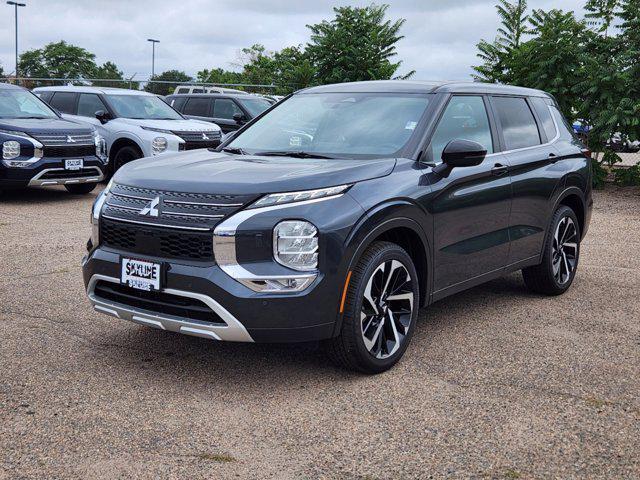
135 124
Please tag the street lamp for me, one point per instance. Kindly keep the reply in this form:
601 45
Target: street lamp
153 57
16 5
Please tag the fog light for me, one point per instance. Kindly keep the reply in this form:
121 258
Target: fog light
10 150
295 245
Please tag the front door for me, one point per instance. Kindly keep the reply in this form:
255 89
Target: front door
471 205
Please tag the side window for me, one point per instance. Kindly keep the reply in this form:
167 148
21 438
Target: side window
225 108
65 102
465 118
197 90
89 104
197 106
519 127
45 96
178 103
182 90
544 114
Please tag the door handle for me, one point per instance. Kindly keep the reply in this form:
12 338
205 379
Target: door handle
553 158
499 169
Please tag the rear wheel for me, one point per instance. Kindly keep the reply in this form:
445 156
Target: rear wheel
380 311
560 258
80 188
125 155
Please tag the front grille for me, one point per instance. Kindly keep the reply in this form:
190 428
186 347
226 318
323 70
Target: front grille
156 241
198 136
61 138
85 172
157 302
70 151
197 145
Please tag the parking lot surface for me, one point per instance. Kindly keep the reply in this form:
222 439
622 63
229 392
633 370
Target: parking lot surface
497 383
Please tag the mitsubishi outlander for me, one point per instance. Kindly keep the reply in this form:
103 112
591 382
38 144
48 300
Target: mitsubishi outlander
339 212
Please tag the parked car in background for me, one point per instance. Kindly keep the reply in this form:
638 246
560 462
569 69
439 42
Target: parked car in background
39 148
134 124
202 89
229 112
340 212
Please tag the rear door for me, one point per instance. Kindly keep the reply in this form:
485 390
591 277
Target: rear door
470 205
199 108
65 102
527 135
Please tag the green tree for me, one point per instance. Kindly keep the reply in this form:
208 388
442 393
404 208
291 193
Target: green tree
219 76
109 71
175 77
358 44
58 60
496 56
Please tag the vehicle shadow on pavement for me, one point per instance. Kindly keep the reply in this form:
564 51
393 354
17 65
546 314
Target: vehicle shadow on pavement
44 195
168 356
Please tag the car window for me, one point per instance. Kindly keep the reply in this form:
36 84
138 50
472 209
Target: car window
20 103
65 102
141 107
225 108
178 103
197 106
255 106
197 90
519 127
182 90
46 96
465 118
89 104
544 114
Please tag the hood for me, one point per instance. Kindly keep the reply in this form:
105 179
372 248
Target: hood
45 125
173 125
206 171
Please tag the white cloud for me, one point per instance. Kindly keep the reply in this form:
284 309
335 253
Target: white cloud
439 43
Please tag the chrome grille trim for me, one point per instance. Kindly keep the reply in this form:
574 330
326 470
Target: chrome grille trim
61 139
151 224
204 204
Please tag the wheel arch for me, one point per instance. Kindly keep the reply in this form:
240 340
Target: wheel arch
123 142
573 198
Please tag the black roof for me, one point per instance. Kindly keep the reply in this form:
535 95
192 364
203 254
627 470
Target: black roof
412 86
9 86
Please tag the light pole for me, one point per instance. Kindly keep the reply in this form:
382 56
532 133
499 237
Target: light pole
16 5
153 57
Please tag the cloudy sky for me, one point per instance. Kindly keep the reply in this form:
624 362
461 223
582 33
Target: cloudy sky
439 43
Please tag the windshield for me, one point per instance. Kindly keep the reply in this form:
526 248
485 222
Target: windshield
23 104
142 107
337 125
255 106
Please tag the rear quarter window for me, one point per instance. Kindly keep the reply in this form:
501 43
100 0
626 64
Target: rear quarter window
519 128
544 114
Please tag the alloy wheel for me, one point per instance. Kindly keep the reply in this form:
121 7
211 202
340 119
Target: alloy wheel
387 309
564 251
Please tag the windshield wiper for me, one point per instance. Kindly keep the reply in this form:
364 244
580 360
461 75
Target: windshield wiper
234 150
29 118
292 153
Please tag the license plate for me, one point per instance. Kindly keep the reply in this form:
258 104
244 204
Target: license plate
140 274
74 164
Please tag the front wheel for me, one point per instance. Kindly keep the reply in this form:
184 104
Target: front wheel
380 310
125 155
80 188
560 258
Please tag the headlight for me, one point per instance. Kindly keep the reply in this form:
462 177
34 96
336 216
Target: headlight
158 145
10 150
95 214
291 197
295 245
101 147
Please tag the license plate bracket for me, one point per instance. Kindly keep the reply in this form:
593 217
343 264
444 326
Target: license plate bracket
141 274
73 164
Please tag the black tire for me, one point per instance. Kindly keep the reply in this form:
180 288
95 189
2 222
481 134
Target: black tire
555 274
124 155
80 188
348 349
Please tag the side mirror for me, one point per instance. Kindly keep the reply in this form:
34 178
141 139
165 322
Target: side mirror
103 116
463 153
239 117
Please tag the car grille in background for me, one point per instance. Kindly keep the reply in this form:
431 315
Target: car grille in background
195 140
60 173
53 139
183 228
70 151
161 302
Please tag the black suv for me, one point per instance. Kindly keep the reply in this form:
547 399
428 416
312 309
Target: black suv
229 112
338 213
41 148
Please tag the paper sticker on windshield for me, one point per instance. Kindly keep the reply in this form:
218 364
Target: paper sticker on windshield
410 125
295 141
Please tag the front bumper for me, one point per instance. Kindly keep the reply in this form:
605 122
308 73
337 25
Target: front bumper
51 171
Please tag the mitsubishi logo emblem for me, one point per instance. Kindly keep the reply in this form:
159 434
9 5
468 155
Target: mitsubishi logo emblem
70 139
204 136
151 209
